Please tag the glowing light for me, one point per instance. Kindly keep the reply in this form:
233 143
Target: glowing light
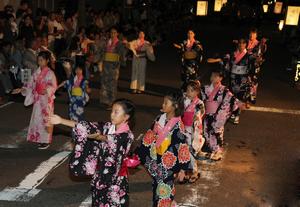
281 24
292 16
265 8
278 7
219 4
297 76
202 8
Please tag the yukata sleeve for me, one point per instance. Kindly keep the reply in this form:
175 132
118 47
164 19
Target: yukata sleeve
143 150
51 85
198 139
116 152
29 91
180 150
85 157
229 104
150 52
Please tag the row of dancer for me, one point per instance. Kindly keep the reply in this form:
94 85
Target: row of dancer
242 67
168 150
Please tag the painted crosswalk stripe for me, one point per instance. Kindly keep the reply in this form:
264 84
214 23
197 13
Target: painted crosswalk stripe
274 110
27 188
87 202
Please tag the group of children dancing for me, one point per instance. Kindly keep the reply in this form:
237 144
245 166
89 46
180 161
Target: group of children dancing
190 126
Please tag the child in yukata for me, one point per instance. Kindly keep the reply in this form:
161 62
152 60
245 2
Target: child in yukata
192 119
77 88
164 151
219 105
101 149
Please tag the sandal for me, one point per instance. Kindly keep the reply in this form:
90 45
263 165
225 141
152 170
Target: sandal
194 177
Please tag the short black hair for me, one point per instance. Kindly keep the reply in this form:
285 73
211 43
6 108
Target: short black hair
195 85
45 55
219 71
129 109
176 97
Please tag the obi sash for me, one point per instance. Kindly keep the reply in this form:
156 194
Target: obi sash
189 55
76 91
212 106
188 115
239 69
40 86
164 140
111 57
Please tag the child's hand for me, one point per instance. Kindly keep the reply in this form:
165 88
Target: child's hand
55 119
18 90
97 136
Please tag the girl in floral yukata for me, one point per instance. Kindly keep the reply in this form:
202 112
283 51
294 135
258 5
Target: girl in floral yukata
164 151
240 66
77 87
219 105
192 120
39 91
101 150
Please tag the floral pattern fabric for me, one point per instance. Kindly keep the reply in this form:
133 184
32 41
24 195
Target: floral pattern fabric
43 105
213 124
102 160
163 167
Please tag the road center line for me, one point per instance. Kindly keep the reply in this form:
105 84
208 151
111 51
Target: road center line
27 188
274 110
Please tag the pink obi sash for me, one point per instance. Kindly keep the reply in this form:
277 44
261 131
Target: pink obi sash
40 86
212 106
188 115
187 118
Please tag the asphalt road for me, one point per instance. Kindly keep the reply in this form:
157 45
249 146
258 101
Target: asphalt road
261 166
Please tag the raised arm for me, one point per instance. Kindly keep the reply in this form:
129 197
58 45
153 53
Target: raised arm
55 120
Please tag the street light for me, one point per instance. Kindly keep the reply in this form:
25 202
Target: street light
278 7
292 15
202 8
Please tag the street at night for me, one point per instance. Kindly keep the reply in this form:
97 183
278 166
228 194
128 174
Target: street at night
260 165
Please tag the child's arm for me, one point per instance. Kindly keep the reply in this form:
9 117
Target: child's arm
55 119
61 85
98 136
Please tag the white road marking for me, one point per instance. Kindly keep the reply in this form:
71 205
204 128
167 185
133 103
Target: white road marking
27 189
274 110
87 202
16 139
8 103
209 178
